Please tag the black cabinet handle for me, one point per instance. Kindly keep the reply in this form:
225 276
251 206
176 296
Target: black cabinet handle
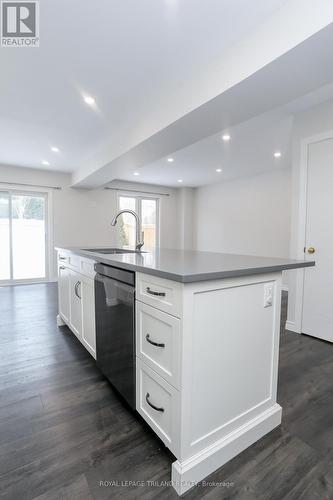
156 344
151 404
152 292
62 258
62 268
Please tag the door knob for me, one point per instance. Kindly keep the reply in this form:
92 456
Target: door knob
311 250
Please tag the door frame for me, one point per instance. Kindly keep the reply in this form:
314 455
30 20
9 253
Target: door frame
49 254
296 325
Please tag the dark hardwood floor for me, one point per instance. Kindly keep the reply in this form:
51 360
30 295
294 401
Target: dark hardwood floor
64 434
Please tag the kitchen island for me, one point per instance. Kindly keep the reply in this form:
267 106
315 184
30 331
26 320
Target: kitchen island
207 337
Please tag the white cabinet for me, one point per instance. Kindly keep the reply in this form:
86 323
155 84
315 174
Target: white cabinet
88 315
158 292
158 341
64 292
207 357
75 317
77 298
158 404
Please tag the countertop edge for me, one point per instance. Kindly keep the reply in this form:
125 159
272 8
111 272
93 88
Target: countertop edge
192 278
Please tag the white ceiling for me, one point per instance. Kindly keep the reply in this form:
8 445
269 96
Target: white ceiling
124 53
249 152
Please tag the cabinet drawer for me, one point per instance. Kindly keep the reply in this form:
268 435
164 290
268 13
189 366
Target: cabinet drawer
158 403
63 258
156 327
87 267
160 293
74 261
69 259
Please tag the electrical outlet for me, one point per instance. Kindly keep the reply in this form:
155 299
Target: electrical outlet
268 294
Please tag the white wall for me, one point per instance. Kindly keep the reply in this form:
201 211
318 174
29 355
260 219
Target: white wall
310 123
245 216
186 218
82 217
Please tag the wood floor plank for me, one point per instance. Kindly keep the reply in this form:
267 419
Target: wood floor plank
77 489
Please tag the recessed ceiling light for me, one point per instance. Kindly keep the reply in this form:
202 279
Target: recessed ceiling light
89 100
170 160
219 170
180 180
136 173
55 149
277 154
226 137
45 162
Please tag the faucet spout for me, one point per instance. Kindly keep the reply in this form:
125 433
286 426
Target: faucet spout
139 233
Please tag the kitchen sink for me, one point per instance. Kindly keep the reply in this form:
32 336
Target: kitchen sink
110 250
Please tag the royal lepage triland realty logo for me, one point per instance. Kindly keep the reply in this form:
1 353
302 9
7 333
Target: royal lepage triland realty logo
20 23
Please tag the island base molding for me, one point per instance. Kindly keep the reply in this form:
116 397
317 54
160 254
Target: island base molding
185 475
60 321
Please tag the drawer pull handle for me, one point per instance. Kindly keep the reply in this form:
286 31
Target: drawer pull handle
62 258
151 404
62 268
152 292
156 344
76 289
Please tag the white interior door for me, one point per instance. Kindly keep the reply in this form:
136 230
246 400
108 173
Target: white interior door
318 281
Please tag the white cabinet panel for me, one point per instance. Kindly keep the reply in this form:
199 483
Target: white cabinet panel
63 258
158 341
158 404
87 267
64 292
88 315
75 320
77 297
163 294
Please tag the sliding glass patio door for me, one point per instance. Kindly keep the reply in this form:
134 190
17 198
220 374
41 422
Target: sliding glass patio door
23 230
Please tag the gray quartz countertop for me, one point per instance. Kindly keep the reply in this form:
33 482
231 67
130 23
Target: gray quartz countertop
187 266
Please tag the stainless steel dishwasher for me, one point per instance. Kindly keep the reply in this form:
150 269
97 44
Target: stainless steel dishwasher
115 328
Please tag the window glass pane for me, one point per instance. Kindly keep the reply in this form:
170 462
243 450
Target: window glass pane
148 216
4 237
28 227
126 223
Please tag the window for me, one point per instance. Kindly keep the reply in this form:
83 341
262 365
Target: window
147 209
22 236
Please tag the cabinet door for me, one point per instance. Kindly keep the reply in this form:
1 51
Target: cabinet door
75 304
88 315
64 292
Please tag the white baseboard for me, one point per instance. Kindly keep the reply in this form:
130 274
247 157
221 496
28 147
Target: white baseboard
60 321
188 473
291 326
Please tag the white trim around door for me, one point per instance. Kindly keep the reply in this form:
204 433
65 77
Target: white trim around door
296 325
49 254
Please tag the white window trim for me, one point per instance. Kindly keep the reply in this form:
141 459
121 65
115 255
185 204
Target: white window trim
143 196
49 254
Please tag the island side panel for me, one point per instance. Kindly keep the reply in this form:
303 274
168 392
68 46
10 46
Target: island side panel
229 366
